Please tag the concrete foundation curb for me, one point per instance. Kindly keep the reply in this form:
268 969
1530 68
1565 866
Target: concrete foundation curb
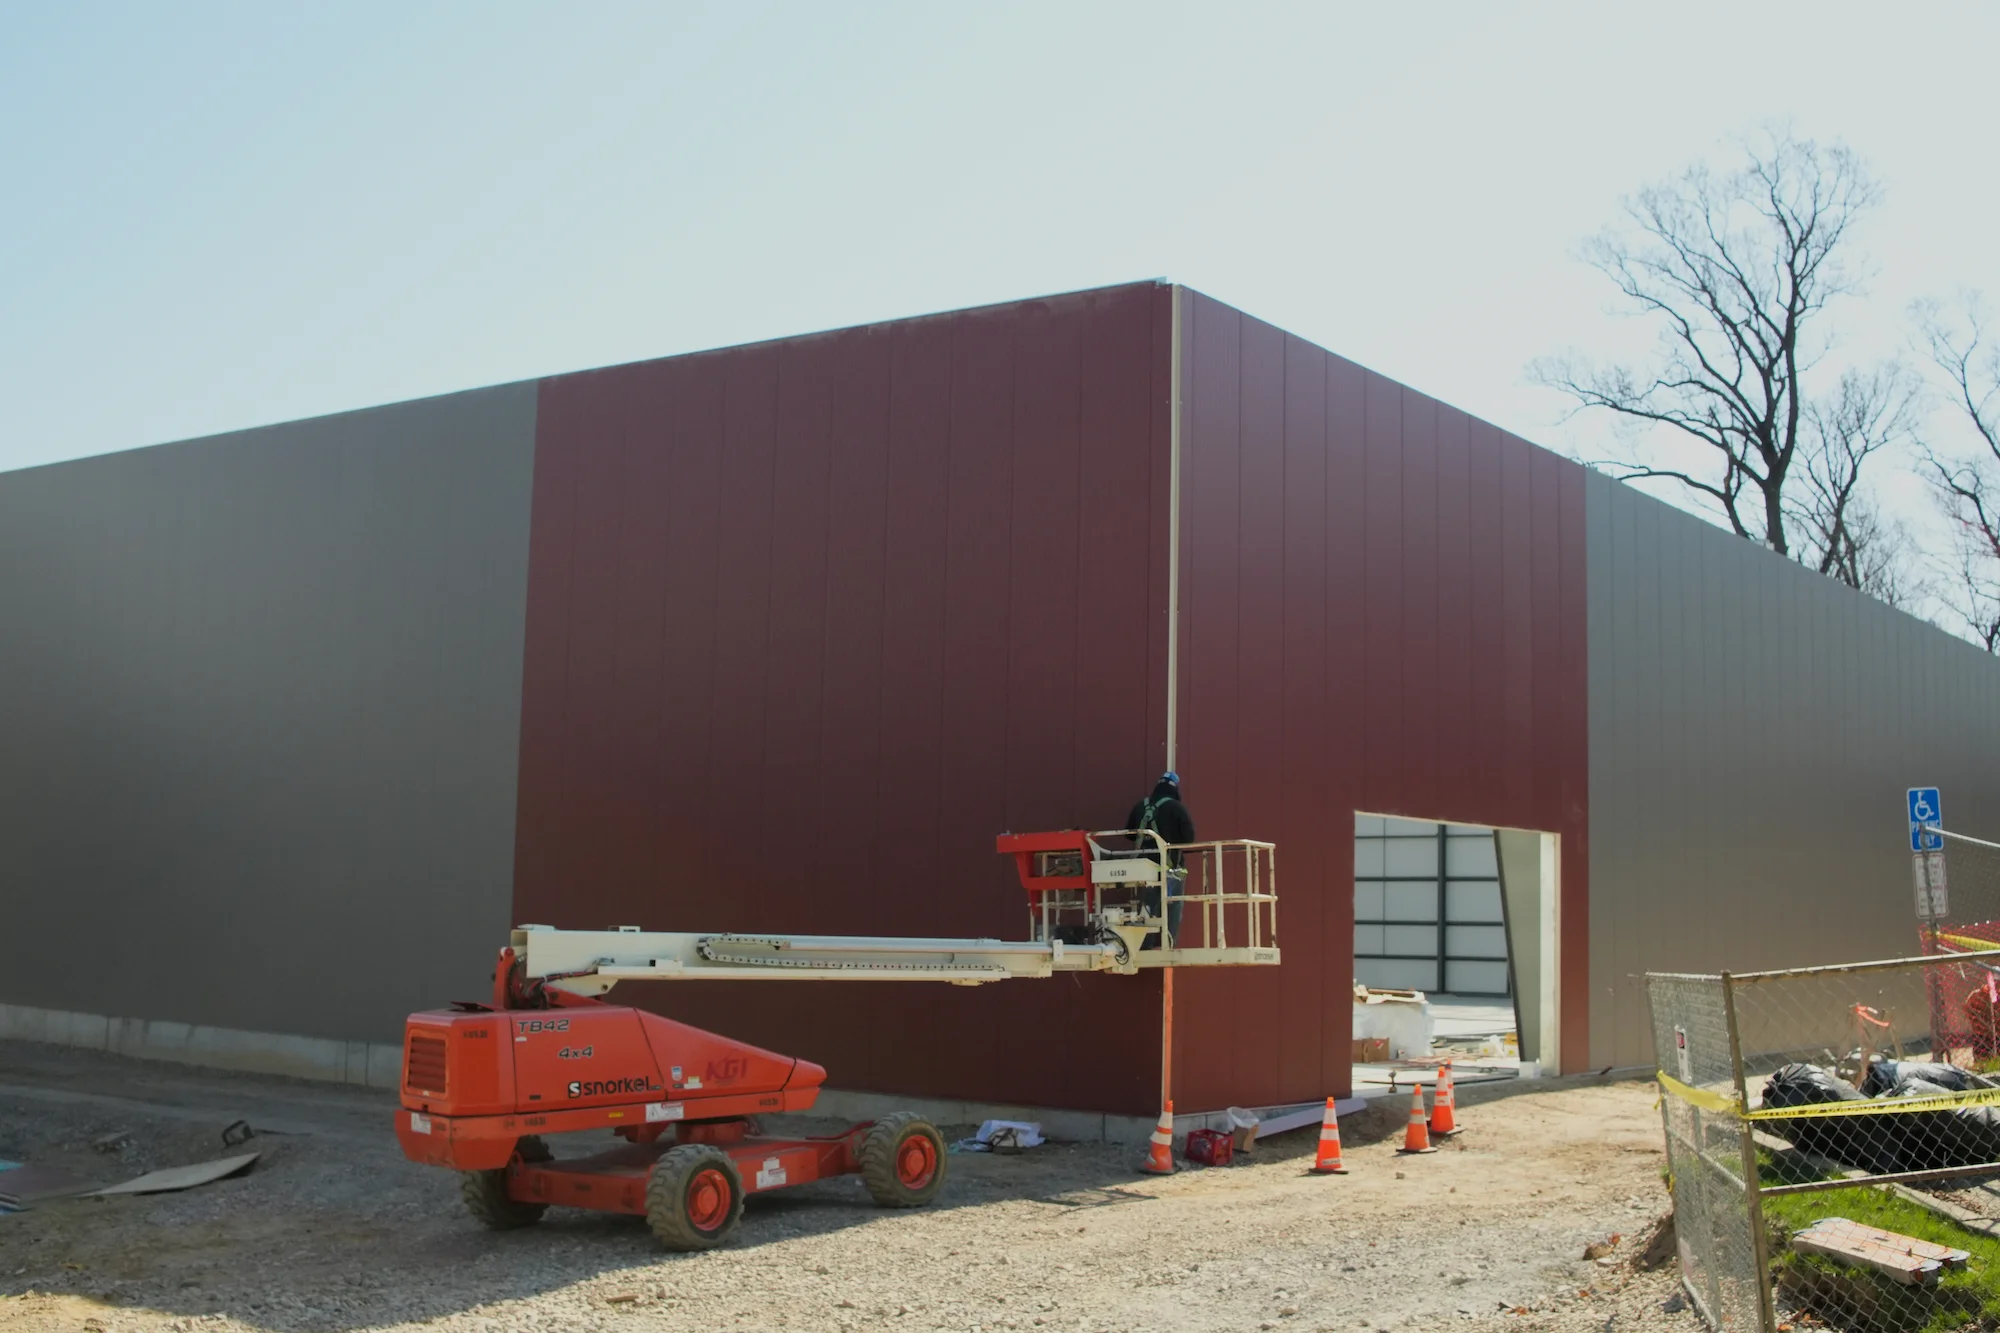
321 1059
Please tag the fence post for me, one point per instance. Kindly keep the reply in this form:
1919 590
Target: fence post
1760 1241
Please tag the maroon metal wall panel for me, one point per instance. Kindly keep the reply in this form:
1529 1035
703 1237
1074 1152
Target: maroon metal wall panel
1346 726
1211 551
1382 572
1449 684
810 622
1483 764
1419 664
1515 660
1451 707
1303 778
691 591
1261 665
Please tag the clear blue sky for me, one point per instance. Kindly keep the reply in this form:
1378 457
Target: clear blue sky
221 215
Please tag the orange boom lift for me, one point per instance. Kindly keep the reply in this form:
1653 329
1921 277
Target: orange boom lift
483 1083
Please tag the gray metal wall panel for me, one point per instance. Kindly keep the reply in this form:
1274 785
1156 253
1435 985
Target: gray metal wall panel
259 716
1753 727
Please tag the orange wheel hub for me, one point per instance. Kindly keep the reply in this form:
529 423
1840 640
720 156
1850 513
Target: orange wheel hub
916 1161
708 1199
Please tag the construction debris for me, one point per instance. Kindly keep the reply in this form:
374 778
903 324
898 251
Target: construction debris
1401 1019
1901 1258
1661 1247
1002 1136
182 1177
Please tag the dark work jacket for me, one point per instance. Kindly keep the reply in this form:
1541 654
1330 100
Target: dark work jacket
1171 819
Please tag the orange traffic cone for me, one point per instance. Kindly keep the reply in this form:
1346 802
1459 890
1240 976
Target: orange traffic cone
1417 1138
1329 1163
1160 1157
1444 1106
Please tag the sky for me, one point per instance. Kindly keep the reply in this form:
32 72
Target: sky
221 215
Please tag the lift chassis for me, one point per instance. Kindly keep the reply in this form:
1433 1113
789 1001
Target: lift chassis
484 1083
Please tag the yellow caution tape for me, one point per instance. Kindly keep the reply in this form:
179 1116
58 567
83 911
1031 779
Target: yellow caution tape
1699 1097
1893 1106
1969 943
1726 1104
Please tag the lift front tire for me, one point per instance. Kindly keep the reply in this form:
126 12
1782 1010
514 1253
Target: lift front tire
485 1192
902 1161
694 1198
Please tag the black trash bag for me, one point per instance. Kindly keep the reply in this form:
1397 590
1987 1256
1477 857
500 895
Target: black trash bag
1806 1085
1930 1140
1884 1075
1853 1140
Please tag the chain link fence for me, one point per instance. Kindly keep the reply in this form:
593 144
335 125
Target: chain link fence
1833 1133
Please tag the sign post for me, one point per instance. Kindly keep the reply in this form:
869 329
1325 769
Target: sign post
1926 811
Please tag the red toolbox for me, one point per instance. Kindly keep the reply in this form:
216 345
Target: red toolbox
1210 1147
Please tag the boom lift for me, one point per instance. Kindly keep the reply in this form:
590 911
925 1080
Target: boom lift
482 1083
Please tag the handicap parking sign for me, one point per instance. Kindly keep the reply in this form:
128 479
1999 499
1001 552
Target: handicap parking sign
1926 816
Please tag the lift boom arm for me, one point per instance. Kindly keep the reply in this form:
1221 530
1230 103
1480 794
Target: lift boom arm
591 962
1089 910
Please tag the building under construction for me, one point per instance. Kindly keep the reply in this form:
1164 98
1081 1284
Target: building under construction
779 637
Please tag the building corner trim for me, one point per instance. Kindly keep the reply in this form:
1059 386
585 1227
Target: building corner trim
1176 407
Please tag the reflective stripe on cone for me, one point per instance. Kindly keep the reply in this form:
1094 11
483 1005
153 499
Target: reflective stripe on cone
1160 1155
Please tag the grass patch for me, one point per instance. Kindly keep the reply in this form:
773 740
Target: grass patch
1861 1299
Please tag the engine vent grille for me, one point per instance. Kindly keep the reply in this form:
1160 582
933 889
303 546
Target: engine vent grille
424 1065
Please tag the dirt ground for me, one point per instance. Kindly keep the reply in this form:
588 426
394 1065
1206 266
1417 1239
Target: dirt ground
333 1231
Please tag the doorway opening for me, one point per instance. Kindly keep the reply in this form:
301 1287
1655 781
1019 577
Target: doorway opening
1466 915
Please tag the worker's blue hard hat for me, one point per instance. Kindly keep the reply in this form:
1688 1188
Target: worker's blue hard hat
1171 776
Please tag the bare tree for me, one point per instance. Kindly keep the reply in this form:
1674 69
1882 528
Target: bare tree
1967 482
1840 529
1737 269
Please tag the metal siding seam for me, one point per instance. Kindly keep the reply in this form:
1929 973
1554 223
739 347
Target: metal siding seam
1079 620
1175 411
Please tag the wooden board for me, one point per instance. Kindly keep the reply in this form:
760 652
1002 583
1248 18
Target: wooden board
1902 1258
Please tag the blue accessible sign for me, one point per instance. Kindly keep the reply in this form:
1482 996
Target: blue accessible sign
1926 816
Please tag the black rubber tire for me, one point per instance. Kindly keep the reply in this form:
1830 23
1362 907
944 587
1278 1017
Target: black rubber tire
880 1147
667 1196
485 1192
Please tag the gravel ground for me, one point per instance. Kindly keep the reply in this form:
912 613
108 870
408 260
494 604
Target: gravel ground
334 1231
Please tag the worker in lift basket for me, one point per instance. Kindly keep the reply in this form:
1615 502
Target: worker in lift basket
1163 813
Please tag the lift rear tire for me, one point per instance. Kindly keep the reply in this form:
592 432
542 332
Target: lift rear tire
694 1198
485 1192
902 1161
